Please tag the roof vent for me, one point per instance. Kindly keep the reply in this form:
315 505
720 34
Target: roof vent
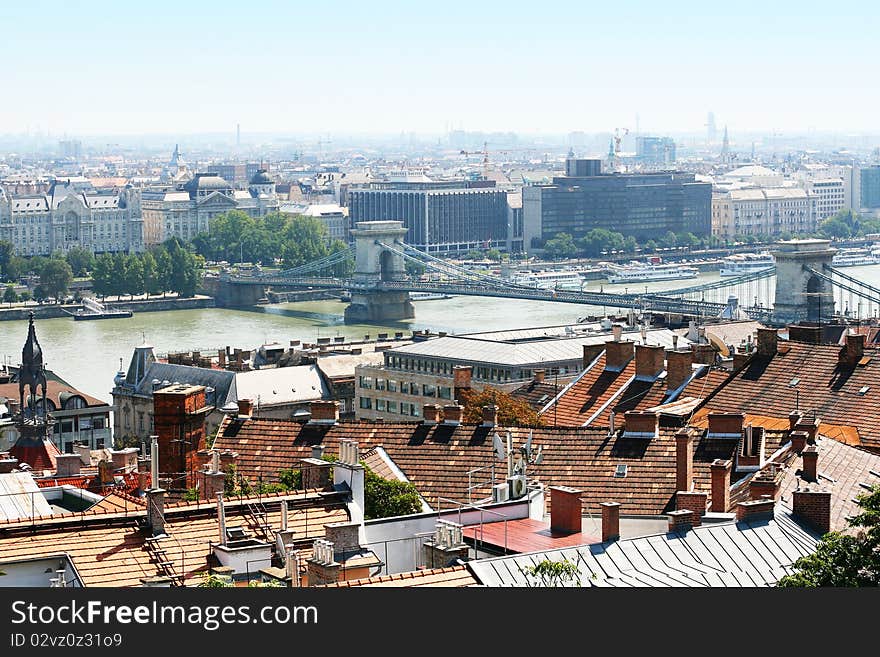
864 389
621 470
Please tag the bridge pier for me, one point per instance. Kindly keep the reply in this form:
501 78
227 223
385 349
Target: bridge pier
374 265
800 295
231 295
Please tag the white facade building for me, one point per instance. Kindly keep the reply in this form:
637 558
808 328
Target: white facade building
333 216
764 211
73 213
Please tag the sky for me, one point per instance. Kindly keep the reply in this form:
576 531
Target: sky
385 67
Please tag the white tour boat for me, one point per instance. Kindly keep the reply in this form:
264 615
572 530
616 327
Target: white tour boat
741 264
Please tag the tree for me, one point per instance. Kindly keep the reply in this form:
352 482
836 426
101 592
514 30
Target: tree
102 275
24 296
304 239
511 412
55 278
494 255
134 275
15 268
630 245
669 240
650 246
80 260
150 274
554 573
835 227
7 251
851 559
9 295
384 498
560 246
164 268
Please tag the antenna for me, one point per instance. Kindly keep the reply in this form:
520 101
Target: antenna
499 446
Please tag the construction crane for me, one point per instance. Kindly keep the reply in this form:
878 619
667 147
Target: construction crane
485 153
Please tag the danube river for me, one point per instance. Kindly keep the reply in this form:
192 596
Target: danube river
87 354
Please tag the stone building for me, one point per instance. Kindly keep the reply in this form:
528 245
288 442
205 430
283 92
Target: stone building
73 213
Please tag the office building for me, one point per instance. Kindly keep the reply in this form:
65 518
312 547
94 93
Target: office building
657 151
643 205
441 217
869 187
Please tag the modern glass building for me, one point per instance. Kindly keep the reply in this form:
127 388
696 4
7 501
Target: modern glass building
644 205
869 179
441 217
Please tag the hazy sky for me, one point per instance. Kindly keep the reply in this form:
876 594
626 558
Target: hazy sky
379 66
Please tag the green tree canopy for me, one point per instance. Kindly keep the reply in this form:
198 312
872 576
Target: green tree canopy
844 559
6 253
511 411
385 498
55 278
9 295
80 260
560 246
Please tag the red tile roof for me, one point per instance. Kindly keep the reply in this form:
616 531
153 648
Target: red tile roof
588 393
437 459
824 386
39 454
454 576
537 395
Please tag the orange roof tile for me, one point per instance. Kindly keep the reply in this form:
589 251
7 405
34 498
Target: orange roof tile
454 576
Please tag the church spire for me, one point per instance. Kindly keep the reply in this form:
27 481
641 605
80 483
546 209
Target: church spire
32 353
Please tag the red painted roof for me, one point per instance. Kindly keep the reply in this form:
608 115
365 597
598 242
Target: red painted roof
39 454
525 535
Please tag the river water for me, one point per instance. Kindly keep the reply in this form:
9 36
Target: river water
86 354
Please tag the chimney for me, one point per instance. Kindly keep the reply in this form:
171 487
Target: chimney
649 361
143 478
431 413
343 535
125 459
678 368
726 425
315 472
446 546
539 376
617 332
810 456
324 412
318 451
221 518
154 462
565 509
853 350
461 380
794 419
640 424
740 359
452 414
8 464
720 485
704 354
684 460
814 507
755 510
767 342
798 441
680 520
610 521
765 484
490 415
323 567
214 479
618 354
245 408
695 502
221 358
810 425
67 465
156 510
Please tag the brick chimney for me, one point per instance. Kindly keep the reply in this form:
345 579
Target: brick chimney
695 502
640 424
245 407
324 412
125 459
323 567
755 510
810 456
618 354
179 413
808 334
461 380
589 353
221 358
798 441
810 424
726 425
431 413
67 465
765 483
853 349
610 521
720 485
740 359
452 414
490 415
684 460
649 360
767 341
617 332
681 520
565 509
539 376
794 419
814 507
8 464
678 368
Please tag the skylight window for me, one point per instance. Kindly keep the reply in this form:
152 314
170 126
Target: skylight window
864 389
621 470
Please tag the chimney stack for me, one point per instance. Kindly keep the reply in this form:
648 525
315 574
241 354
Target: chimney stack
618 353
317 451
617 332
680 520
221 358
461 381
720 485
814 507
794 418
726 425
853 350
810 456
678 368
694 501
245 408
452 414
539 376
684 460
640 424
431 413
740 358
768 339
221 517
755 510
798 441
565 509
156 510
324 412
610 521
67 465
490 415
649 361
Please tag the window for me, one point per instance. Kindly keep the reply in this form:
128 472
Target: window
429 390
366 402
404 387
366 382
444 392
380 404
380 384
392 386
392 406
414 410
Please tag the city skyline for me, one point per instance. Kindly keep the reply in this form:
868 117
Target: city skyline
400 67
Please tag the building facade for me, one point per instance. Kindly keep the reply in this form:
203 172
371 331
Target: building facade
869 187
644 206
830 197
73 213
767 211
657 151
334 217
441 217
186 210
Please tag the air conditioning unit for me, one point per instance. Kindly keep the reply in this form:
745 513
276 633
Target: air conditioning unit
500 492
517 485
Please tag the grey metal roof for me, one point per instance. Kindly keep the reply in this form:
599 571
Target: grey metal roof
20 497
741 554
476 350
342 365
282 385
222 381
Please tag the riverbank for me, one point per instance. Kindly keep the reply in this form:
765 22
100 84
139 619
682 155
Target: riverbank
53 311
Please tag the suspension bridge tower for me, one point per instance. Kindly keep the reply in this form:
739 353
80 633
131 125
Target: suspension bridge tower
375 265
800 294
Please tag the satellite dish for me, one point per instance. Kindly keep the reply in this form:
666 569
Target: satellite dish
528 447
499 446
540 457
